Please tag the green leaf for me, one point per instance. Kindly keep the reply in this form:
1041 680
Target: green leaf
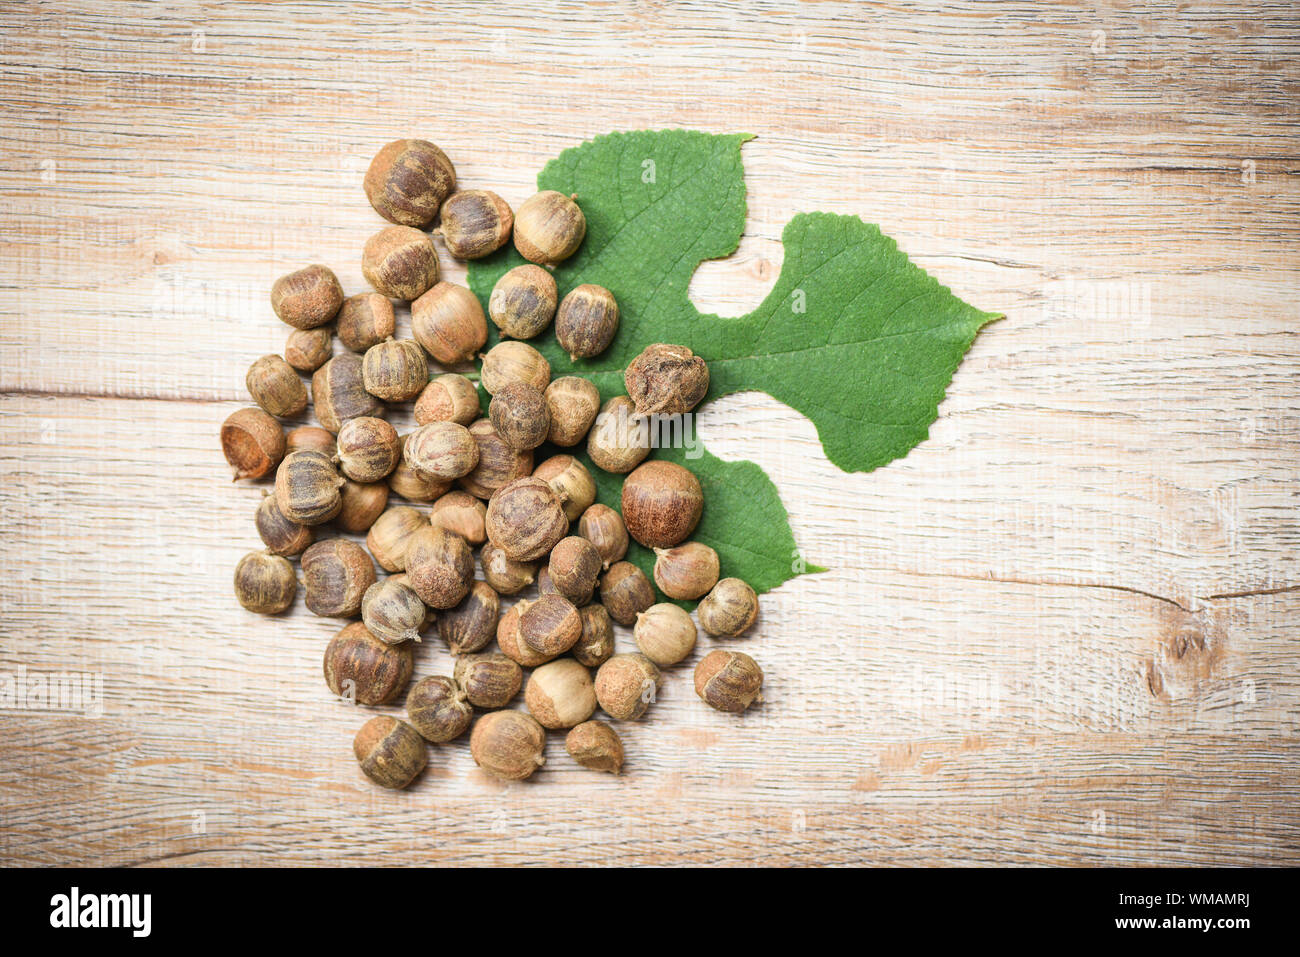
854 336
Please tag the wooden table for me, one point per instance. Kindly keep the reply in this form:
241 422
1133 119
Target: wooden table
1062 630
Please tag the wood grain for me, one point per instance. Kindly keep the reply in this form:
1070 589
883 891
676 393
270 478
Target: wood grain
1061 631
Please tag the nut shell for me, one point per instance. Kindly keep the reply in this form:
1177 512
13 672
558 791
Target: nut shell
336 574
512 361
573 403
596 645
665 634
448 398
390 536
264 583
281 536
307 488
408 181
574 567
368 449
391 752
595 745
393 611
472 624
626 685
666 380
395 370
508 744
308 349
520 416
449 323
511 642
523 301
549 228
490 681
438 709
571 481
338 392
413 486
604 528
463 514
275 386
625 592
525 519
307 297
550 626
441 451
728 680
361 667
686 571
662 503
503 573
311 437
439 567
475 223
366 320
618 441
586 321
560 694
729 609
498 463
253 443
400 262
363 503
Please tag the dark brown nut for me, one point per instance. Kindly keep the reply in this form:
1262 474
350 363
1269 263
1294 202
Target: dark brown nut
560 694
413 486
686 571
586 321
665 634
549 228
518 413
393 611
311 437
439 566
729 609
574 568
596 645
490 681
512 361
498 463
448 398
619 441
472 624
253 443
408 181
522 303
365 670
571 481
666 380
363 503
441 451
308 297
391 752
395 371
550 626
265 583
596 745
338 392
366 320
281 536
390 536
503 573
275 386
309 349
336 574
438 709
400 262
662 502
368 449
728 680
463 514
626 685
307 488
449 323
475 223
625 592
508 744
604 528
573 403
511 642
525 519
